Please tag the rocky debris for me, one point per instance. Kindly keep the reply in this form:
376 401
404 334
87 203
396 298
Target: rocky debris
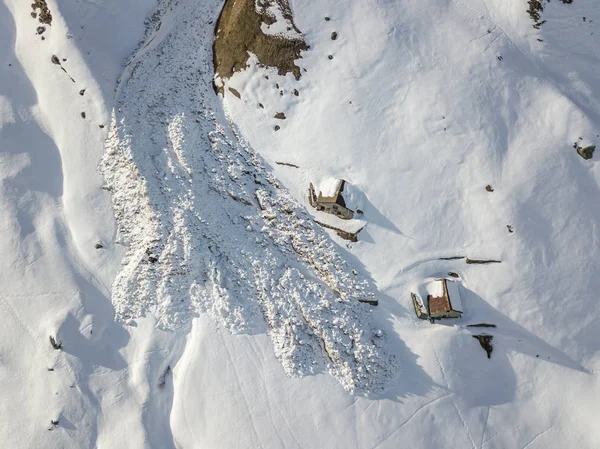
280 116
98 245
350 236
56 344
82 92
536 8
249 267
235 92
41 11
482 261
586 152
40 30
56 60
162 380
277 127
481 325
486 343
334 36
489 188
287 164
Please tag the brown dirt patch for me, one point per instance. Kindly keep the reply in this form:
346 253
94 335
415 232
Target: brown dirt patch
238 32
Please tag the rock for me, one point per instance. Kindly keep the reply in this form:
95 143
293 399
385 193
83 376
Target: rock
235 92
489 188
82 92
481 261
277 128
330 57
327 19
40 30
586 152
99 245
486 343
280 116
83 115
334 36
481 325
55 60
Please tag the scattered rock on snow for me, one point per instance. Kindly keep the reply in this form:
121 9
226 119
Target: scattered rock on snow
334 36
486 343
56 344
235 92
586 152
489 188
41 10
481 261
280 116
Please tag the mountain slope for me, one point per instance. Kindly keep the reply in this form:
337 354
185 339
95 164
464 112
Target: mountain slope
420 107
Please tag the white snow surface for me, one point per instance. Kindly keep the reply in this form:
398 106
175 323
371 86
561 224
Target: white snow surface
454 295
435 288
328 187
213 285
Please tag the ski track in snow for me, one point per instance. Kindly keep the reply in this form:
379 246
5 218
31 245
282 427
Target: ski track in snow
208 229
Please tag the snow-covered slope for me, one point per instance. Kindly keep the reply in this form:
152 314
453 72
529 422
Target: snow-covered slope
421 106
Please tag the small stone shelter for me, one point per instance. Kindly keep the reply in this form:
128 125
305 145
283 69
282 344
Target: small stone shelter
443 301
331 198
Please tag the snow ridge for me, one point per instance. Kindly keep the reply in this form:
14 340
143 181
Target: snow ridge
209 230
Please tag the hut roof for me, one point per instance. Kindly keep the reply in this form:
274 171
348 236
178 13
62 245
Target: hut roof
338 191
444 296
330 189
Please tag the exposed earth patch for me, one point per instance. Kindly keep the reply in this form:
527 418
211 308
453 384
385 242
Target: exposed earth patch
239 33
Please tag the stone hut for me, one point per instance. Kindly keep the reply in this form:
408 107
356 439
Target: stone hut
331 198
443 301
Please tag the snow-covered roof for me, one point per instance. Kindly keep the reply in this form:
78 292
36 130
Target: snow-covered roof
454 295
329 187
435 288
